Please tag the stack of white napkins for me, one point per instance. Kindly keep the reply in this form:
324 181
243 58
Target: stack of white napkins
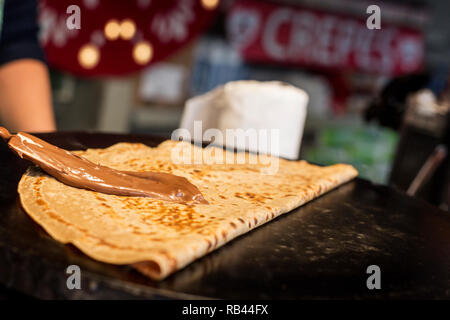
276 108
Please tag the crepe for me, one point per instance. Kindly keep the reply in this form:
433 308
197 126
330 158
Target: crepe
159 237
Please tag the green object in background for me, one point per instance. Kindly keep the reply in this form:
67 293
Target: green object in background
370 149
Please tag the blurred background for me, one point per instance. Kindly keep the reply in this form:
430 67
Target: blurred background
378 98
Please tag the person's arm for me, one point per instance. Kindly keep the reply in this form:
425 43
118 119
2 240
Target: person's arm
25 95
25 100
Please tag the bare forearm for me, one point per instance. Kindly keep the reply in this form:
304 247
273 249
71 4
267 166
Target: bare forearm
25 98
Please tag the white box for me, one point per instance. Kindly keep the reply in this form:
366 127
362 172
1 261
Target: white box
271 106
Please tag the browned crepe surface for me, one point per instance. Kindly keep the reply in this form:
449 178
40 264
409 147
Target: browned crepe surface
159 237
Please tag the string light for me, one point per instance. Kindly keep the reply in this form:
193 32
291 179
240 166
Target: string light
210 4
127 29
112 29
142 52
88 56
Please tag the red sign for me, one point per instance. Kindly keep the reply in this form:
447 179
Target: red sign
118 37
294 36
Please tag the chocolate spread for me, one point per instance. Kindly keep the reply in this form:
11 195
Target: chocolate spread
82 173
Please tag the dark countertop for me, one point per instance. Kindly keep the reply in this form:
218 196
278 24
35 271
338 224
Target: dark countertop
320 250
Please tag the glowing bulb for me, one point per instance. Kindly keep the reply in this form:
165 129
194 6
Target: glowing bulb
210 4
112 30
142 52
88 56
127 29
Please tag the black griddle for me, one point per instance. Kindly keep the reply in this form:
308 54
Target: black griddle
318 251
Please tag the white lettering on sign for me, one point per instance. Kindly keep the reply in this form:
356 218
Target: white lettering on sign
312 38
174 25
53 28
274 22
243 27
